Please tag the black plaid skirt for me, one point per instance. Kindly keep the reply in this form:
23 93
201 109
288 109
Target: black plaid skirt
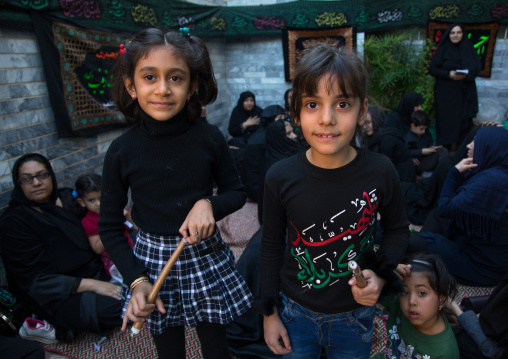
198 288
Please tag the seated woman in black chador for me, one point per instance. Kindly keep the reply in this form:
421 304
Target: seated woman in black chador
400 118
244 120
389 142
49 263
255 152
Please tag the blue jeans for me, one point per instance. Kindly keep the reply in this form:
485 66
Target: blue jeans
345 335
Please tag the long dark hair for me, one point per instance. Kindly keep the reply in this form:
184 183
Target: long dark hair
190 48
343 66
69 202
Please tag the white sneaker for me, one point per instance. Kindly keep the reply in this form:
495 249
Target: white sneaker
38 330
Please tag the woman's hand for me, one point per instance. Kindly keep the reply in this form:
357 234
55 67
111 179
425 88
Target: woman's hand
276 334
369 295
457 76
199 223
99 287
138 309
465 165
251 121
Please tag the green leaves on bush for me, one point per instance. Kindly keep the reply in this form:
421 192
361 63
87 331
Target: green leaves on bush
397 65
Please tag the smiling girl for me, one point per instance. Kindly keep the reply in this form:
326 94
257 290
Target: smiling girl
327 199
170 160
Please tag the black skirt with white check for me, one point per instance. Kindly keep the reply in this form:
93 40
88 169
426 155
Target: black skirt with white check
198 288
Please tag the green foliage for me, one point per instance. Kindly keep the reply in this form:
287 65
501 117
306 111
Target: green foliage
398 65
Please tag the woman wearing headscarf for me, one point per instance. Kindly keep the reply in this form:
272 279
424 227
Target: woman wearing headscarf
475 245
255 151
245 117
400 118
50 265
389 142
455 96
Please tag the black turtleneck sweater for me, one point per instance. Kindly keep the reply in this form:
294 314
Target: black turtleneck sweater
169 166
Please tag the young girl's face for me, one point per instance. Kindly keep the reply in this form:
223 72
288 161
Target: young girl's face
328 120
161 83
421 304
92 201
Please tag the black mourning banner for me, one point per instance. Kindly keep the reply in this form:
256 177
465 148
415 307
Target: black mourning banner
297 41
77 64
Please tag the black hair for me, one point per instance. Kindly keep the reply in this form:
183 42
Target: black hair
190 48
88 183
341 64
420 118
441 281
69 202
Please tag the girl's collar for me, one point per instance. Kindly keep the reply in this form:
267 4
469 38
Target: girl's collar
174 126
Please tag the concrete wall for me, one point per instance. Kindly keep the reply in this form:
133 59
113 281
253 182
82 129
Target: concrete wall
257 66
494 90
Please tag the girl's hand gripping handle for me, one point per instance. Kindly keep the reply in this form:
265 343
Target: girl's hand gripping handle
357 273
136 328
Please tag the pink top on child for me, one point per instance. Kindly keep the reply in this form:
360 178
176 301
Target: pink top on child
91 225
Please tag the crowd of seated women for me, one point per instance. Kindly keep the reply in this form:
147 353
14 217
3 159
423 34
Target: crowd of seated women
462 205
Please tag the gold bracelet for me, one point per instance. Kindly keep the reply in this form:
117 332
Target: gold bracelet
142 277
206 199
136 283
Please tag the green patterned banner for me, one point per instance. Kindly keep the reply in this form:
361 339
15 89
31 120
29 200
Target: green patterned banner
224 21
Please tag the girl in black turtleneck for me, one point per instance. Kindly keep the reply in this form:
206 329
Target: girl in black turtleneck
170 160
455 96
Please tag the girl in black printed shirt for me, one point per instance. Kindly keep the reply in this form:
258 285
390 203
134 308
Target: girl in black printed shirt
327 199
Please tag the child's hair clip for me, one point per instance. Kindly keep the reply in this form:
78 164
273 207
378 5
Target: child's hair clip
74 194
184 31
421 262
122 49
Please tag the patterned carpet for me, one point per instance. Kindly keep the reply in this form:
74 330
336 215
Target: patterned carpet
236 230
118 346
